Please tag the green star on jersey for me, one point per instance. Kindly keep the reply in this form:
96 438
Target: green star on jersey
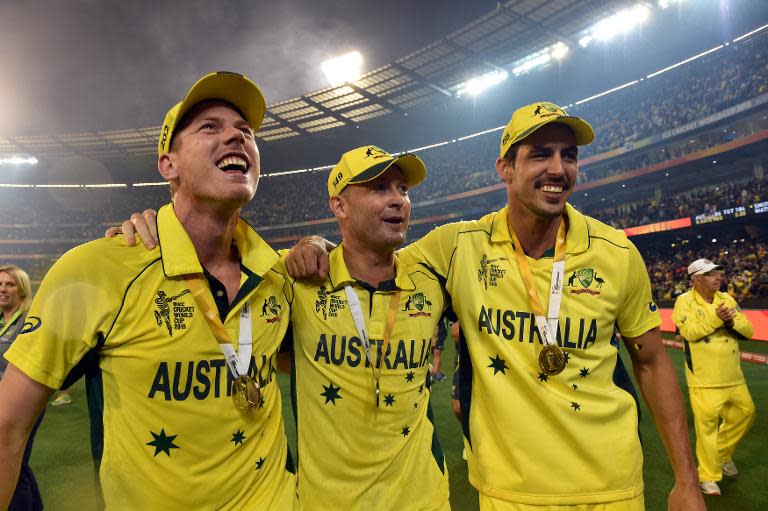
406 431
163 443
389 399
575 387
543 377
584 372
238 437
331 393
576 406
260 463
409 377
498 364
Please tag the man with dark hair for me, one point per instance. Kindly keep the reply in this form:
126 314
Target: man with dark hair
549 413
185 412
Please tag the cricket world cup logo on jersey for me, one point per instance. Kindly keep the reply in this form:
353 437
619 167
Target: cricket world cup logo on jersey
173 312
585 277
271 310
419 304
328 303
490 273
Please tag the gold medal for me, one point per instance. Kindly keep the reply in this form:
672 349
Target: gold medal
551 359
246 394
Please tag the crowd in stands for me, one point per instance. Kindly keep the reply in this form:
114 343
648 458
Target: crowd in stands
679 97
62 218
743 259
699 201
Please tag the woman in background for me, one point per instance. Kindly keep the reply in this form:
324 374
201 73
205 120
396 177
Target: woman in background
15 297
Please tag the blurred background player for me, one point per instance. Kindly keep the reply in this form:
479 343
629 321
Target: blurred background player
15 299
711 325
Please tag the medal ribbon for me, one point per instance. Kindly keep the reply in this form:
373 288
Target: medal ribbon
238 362
362 330
5 326
547 324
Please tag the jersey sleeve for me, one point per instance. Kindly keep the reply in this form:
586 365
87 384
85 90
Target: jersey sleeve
741 324
72 313
637 313
435 249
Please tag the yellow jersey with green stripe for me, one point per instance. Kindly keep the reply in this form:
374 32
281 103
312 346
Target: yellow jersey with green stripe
534 438
165 432
352 454
712 357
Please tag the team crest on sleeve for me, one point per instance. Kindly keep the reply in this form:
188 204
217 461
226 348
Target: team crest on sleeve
172 311
589 281
652 306
270 310
418 305
490 273
328 303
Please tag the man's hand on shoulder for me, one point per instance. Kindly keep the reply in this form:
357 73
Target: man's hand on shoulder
308 259
144 224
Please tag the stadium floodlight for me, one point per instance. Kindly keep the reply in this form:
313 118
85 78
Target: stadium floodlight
480 83
343 69
621 22
19 160
541 58
559 51
584 41
618 23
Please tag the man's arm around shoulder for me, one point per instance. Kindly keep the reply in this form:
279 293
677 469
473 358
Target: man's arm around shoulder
658 382
21 402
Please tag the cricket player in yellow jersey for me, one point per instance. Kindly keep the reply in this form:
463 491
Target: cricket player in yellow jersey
549 414
361 343
361 339
178 343
723 411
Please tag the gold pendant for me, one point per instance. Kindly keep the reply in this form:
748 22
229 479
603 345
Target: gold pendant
551 359
246 394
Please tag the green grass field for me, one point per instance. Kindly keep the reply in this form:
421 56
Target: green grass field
62 463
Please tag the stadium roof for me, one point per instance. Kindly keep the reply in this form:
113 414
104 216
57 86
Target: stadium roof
492 42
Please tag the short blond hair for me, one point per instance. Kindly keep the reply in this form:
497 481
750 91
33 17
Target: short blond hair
22 280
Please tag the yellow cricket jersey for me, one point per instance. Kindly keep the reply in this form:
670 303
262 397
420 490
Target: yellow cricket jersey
571 438
353 455
165 433
711 349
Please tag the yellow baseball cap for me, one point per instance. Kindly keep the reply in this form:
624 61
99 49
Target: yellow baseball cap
227 86
528 119
369 162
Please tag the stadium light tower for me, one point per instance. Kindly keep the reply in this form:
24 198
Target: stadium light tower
343 69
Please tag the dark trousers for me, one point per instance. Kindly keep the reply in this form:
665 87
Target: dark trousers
27 495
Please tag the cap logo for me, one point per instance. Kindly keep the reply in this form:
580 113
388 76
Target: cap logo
164 139
550 107
375 152
505 139
338 178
